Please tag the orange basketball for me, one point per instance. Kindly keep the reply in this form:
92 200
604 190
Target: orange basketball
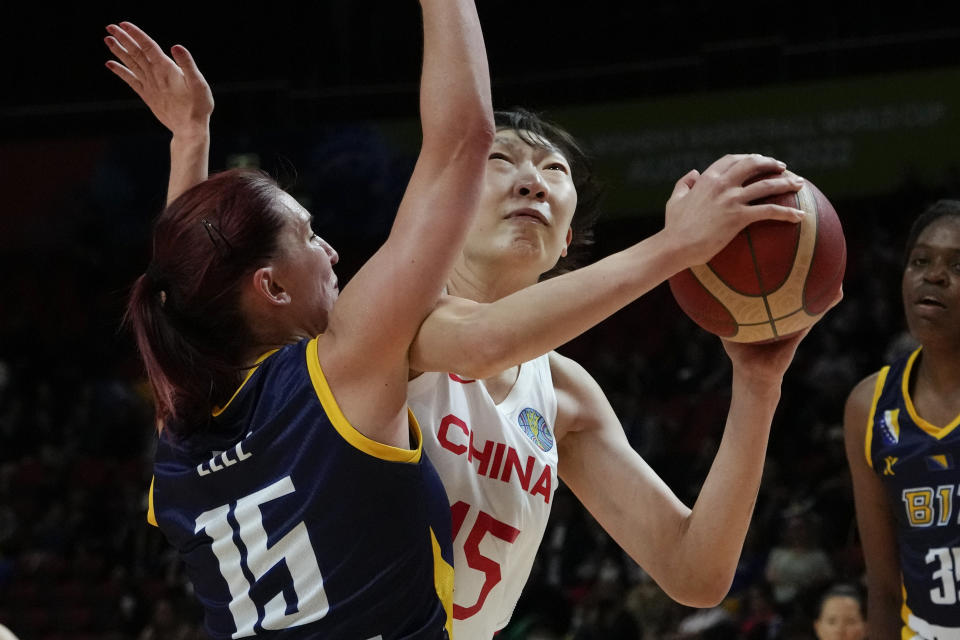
773 279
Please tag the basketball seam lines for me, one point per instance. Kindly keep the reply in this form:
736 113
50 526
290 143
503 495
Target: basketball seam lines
813 253
756 271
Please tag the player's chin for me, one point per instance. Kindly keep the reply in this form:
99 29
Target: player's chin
932 323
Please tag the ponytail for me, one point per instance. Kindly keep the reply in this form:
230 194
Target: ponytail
145 316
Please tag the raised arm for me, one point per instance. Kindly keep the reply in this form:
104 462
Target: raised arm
875 520
702 215
177 94
375 320
691 553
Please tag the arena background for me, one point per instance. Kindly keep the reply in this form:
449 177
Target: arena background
864 103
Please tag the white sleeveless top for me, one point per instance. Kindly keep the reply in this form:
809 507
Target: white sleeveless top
498 463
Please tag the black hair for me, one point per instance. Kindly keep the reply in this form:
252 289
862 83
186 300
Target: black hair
939 209
842 591
533 129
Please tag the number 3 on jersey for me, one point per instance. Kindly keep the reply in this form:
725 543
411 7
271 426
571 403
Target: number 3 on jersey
294 549
484 524
948 574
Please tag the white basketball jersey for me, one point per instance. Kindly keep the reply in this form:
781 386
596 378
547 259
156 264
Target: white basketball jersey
498 463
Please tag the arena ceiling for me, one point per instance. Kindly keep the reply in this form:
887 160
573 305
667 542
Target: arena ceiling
347 59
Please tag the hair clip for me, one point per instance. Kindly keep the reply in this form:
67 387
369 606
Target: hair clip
208 226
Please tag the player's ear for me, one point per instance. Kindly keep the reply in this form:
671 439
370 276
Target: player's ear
566 245
267 288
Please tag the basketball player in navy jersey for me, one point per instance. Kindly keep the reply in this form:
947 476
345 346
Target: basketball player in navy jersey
503 432
289 472
903 447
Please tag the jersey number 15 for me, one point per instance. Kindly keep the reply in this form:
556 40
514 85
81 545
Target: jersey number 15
294 548
484 524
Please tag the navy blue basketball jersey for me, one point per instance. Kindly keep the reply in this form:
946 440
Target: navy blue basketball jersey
918 464
291 522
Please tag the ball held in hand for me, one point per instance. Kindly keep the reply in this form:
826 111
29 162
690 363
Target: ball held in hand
773 279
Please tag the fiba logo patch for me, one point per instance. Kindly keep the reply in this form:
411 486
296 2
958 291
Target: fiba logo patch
536 428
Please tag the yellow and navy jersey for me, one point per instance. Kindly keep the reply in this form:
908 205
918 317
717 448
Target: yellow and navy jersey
919 464
292 523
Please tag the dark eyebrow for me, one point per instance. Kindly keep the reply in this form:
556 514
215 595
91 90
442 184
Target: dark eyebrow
547 148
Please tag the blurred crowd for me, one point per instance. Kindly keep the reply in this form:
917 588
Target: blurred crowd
78 560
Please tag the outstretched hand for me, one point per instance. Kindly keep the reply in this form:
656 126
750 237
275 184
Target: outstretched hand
173 88
707 210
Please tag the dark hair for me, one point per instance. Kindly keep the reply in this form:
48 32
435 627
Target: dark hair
533 129
841 591
931 214
185 310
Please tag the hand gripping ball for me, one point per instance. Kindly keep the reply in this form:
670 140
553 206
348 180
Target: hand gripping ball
773 279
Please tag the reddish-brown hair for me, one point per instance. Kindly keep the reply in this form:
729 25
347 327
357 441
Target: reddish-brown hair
185 310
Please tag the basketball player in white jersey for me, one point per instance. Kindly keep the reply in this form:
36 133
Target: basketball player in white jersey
501 433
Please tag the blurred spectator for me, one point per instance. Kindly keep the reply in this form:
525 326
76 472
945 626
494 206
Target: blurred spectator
760 620
167 623
707 624
841 614
797 564
604 615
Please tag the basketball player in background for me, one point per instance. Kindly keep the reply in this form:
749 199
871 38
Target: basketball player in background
903 447
501 432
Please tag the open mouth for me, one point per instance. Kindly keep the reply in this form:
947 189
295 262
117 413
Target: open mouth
928 301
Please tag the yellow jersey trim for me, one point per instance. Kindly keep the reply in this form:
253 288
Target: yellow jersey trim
906 633
935 431
151 514
346 430
218 410
443 581
868 437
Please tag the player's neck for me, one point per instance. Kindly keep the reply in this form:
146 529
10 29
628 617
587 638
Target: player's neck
482 283
938 369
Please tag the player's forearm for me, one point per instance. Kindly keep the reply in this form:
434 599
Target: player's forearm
487 338
883 619
406 275
189 160
455 101
712 539
456 116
